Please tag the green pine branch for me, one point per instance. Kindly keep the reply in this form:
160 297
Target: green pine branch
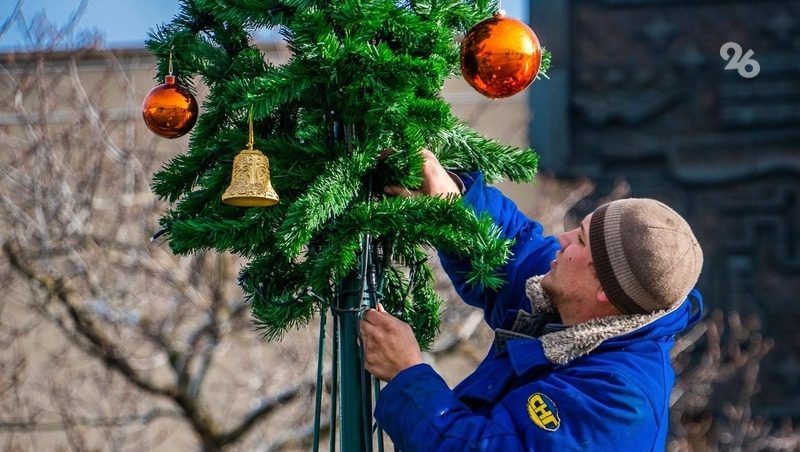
364 77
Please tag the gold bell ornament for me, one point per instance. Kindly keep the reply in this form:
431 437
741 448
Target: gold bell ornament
250 180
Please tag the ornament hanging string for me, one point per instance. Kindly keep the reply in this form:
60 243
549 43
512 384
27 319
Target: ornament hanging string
250 136
170 60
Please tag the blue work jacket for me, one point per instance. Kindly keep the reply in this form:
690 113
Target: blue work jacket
615 398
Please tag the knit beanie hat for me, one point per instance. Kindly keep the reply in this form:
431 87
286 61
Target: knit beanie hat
645 254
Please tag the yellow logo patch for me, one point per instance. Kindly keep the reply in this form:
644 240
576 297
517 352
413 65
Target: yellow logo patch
543 412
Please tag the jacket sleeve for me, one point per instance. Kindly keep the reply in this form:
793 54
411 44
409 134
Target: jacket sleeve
531 254
419 412
561 412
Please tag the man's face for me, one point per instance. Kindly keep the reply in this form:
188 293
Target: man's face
572 281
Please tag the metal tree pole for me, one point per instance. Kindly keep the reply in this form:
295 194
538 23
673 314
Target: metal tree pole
355 432
353 385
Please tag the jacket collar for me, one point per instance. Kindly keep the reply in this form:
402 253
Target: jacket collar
563 346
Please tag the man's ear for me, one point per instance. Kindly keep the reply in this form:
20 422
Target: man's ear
602 297
611 308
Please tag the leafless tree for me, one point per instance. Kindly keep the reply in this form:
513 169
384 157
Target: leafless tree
718 364
107 339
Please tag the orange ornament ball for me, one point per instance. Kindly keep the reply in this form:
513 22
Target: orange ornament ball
500 56
169 110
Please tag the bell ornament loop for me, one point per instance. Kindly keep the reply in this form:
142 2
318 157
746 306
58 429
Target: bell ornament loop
250 181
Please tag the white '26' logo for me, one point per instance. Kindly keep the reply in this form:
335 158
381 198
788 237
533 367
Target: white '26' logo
739 62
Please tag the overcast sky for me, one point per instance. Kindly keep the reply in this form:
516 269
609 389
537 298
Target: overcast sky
124 23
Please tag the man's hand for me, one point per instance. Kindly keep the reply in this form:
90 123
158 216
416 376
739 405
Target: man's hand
389 344
436 181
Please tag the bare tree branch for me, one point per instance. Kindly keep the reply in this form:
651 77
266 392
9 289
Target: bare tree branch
266 407
144 418
98 344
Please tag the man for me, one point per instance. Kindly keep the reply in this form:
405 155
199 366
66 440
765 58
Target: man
581 355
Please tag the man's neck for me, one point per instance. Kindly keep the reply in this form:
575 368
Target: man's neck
573 315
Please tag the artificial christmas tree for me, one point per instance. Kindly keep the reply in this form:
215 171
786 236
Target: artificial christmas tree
364 77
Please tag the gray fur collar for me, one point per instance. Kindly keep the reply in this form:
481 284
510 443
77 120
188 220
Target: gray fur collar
563 346
540 300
